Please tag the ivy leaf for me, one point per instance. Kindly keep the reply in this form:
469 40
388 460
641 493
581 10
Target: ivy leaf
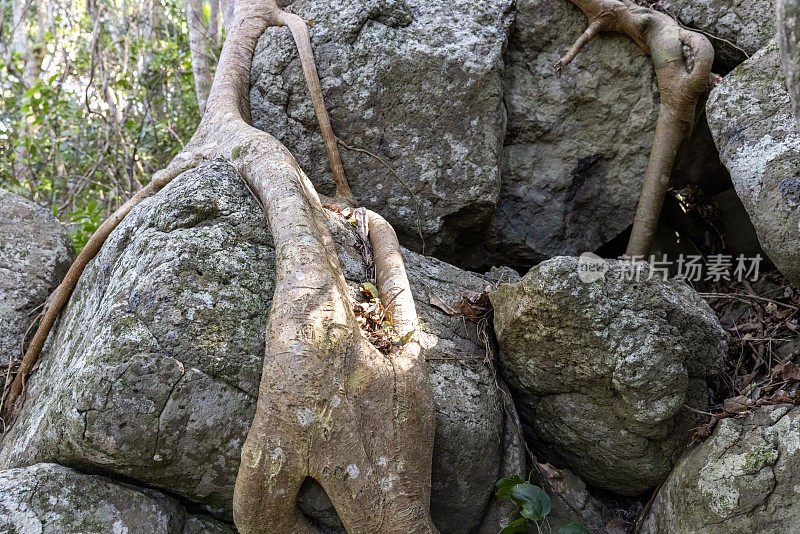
534 503
520 525
505 485
573 528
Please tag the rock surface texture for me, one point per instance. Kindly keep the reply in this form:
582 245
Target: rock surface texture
51 499
428 87
576 145
736 28
745 479
601 370
153 371
417 83
750 116
35 253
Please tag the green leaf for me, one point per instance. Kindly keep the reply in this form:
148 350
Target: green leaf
370 290
505 485
573 528
520 525
534 503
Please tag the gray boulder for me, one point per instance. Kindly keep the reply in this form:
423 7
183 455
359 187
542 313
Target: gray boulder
52 499
750 116
417 83
743 480
428 86
153 371
736 28
35 255
601 370
789 36
577 143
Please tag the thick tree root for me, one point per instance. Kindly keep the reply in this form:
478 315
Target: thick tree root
330 405
682 59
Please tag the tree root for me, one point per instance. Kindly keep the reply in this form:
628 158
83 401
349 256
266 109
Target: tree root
62 293
330 405
682 60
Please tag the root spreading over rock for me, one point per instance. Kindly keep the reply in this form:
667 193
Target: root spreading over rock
682 60
331 406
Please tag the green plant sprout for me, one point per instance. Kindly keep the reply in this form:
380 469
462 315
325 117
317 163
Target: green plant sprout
534 506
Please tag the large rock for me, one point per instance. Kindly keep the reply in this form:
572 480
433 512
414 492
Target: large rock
745 479
51 499
426 86
736 28
35 255
153 371
751 118
577 143
417 83
788 12
601 370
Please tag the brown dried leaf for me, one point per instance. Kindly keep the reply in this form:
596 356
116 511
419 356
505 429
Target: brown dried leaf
737 405
436 302
790 371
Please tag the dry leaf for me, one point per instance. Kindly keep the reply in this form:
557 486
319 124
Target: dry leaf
737 405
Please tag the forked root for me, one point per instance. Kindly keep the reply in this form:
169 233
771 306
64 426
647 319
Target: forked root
330 405
682 60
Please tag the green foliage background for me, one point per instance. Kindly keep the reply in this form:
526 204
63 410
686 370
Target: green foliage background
81 165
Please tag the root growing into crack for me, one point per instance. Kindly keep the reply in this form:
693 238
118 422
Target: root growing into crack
682 59
330 405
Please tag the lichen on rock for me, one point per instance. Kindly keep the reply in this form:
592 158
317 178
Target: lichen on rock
750 115
601 370
153 371
743 479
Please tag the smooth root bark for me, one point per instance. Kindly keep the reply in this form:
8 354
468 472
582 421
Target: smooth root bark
682 60
330 405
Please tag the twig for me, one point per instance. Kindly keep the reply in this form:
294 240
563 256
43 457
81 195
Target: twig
742 297
646 509
396 175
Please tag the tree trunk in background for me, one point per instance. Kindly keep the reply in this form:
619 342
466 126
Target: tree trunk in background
198 47
215 23
31 48
789 33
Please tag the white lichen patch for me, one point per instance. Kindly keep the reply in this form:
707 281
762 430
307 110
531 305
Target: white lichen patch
786 432
718 483
747 166
305 416
352 471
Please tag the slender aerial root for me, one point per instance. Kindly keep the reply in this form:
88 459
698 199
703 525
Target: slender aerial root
302 40
682 60
64 290
184 161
